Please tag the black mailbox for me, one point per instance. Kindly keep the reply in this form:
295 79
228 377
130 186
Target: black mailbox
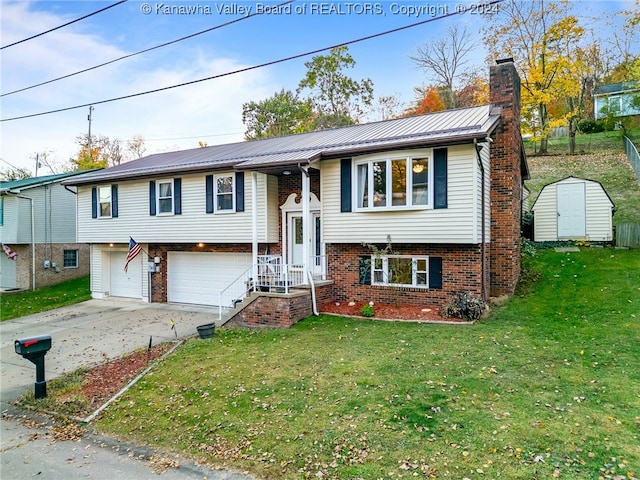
34 349
33 345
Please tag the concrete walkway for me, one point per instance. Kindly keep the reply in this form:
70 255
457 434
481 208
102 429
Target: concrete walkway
86 334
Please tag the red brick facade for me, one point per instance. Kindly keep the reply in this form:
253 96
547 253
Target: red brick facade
461 270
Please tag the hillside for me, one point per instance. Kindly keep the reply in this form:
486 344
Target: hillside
612 170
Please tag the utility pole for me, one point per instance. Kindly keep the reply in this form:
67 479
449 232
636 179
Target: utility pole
89 138
37 163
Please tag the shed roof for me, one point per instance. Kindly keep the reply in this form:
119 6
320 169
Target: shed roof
274 155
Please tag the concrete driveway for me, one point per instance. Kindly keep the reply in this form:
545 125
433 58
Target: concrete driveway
86 334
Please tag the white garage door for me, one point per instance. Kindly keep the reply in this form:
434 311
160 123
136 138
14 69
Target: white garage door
7 271
125 284
199 277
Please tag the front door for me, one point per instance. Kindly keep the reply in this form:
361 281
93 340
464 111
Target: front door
571 210
295 242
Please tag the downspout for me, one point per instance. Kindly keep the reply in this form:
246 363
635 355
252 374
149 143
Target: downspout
483 222
306 235
254 228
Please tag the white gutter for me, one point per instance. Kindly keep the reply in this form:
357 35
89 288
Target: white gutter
254 225
306 212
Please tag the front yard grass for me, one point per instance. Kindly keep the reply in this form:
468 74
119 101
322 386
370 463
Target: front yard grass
547 387
46 298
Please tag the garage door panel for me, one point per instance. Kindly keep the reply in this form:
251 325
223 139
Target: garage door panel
199 277
125 284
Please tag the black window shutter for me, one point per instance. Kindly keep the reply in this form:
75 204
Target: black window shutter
440 178
345 185
114 201
208 183
94 202
152 198
435 272
239 191
177 196
364 269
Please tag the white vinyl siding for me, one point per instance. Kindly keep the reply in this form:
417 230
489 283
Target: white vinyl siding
194 225
598 215
459 223
54 215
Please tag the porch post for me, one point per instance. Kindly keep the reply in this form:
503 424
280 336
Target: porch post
254 226
306 230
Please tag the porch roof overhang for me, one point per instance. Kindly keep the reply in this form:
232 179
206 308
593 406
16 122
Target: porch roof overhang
276 155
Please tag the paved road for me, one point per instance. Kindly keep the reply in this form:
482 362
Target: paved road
86 334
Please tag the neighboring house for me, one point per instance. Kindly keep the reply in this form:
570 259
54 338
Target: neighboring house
298 211
618 99
38 222
573 209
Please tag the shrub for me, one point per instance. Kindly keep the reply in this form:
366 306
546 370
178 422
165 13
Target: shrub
464 305
591 126
367 310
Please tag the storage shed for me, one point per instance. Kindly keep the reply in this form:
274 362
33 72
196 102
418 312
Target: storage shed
573 209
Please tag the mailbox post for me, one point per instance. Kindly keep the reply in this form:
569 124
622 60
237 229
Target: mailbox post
34 349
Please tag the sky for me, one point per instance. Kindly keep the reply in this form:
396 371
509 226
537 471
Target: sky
208 111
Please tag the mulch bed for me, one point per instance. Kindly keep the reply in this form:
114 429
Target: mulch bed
385 311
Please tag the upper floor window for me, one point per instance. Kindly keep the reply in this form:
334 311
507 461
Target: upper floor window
397 181
165 197
224 193
104 199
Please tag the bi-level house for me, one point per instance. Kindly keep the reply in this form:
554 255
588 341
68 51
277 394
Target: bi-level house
38 223
290 220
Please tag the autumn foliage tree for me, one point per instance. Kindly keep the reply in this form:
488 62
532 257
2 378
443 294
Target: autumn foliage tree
534 33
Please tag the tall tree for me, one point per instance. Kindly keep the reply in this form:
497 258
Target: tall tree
533 32
428 101
337 99
443 60
281 114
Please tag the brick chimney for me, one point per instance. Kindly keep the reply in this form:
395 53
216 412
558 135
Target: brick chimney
507 157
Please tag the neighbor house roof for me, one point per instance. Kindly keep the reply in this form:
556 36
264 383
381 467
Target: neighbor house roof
16 185
621 87
276 154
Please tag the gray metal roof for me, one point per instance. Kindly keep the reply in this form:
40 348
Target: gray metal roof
275 154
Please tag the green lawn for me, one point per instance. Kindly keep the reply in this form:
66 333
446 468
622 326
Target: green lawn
45 298
547 387
585 144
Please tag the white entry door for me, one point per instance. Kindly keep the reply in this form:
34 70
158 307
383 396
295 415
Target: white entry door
571 210
295 242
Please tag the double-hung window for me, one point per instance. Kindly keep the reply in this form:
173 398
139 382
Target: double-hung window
399 270
224 193
165 197
104 201
397 181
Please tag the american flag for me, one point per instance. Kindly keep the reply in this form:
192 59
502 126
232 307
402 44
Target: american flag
10 253
134 249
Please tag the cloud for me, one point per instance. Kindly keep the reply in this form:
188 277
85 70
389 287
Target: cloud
209 111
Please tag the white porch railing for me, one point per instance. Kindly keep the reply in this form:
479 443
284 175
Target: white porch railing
271 276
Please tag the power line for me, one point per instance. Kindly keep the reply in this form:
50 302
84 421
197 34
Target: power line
64 25
142 51
246 69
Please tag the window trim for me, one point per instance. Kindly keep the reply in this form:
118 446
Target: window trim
389 157
171 183
384 271
77 258
215 193
99 202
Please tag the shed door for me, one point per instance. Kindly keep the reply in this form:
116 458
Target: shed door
571 210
